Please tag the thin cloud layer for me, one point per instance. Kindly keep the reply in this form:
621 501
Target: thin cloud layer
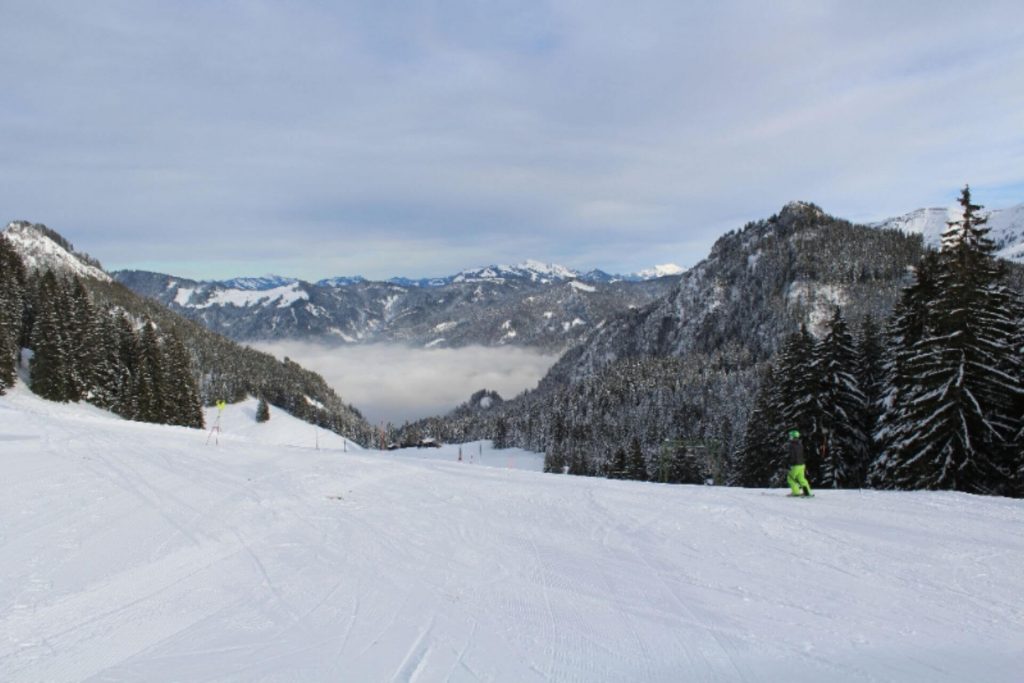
393 383
317 139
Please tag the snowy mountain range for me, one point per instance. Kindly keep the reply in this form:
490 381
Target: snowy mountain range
531 304
529 271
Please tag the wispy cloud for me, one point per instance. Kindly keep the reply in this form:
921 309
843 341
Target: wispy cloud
396 383
339 138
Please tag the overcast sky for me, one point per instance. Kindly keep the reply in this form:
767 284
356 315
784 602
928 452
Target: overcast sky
312 139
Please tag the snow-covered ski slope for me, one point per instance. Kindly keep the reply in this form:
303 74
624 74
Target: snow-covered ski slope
133 552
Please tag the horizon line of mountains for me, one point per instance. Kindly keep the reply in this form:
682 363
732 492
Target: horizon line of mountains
530 270
1007 225
534 304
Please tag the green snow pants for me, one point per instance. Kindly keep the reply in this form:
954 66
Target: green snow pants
797 480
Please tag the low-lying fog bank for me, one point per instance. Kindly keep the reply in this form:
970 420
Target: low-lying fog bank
395 383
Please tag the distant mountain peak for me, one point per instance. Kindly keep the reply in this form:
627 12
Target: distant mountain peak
257 284
42 248
662 270
531 270
550 269
341 281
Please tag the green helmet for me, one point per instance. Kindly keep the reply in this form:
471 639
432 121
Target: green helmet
794 433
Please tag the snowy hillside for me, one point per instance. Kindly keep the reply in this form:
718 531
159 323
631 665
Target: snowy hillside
42 249
135 552
1006 227
237 423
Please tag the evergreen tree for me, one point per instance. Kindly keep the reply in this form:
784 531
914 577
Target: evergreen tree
617 467
957 421
579 464
761 458
636 466
127 361
870 373
107 373
181 389
262 410
51 367
149 383
842 438
554 460
84 342
907 326
684 467
1018 345
7 366
554 454
798 375
12 305
500 439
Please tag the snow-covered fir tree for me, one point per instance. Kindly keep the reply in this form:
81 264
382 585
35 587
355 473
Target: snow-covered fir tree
636 465
680 464
761 457
52 373
954 427
12 303
182 390
617 465
84 341
870 374
125 359
1018 345
262 410
904 330
843 409
799 378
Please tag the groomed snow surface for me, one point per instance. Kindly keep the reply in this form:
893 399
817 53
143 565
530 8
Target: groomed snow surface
133 552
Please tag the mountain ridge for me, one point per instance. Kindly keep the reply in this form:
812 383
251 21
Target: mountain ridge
538 305
530 270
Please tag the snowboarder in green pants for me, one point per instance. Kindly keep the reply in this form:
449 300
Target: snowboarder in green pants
796 478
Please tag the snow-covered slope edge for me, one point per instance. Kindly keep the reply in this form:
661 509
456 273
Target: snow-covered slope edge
135 552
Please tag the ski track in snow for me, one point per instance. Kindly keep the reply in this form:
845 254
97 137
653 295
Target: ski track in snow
136 552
